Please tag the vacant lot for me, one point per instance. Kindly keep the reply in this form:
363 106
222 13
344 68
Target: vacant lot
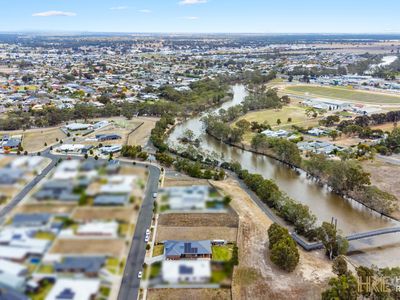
190 220
120 127
379 170
295 112
34 140
183 181
46 208
111 247
86 214
196 233
343 93
141 135
256 277
193 294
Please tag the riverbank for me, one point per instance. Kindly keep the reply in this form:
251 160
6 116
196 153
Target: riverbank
245 147
256 277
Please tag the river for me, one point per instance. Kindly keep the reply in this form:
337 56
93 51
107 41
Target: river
352 217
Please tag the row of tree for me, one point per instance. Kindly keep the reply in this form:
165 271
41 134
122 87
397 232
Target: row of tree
347 178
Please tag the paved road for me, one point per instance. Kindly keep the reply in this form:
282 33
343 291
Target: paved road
130 282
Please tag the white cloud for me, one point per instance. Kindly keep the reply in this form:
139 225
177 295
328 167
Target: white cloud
191 2
190 18
119 8
54 13
145 11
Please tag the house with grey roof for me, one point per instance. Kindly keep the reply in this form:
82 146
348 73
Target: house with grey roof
90 266
10 175
177 250
30 220
112 200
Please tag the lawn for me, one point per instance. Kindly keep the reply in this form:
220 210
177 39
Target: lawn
296 113
222 253
155 270
35 139
217 276
43 235
343 93
46 269
112 265
43 291
158 250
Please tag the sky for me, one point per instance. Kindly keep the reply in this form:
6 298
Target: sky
202 16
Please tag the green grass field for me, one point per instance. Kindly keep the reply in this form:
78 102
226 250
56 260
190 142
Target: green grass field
222 253
343 93
297 113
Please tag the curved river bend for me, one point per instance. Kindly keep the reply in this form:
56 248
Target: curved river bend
352 217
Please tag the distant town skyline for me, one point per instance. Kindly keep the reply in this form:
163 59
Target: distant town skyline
201 16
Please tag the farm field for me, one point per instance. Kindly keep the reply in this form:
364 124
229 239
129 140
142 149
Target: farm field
343 93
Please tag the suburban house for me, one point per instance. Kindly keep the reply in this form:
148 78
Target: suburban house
276 134
319 147
187 197
82 289
109 229
110 149
189 271
327 104
177 250
61 190
90 266
30 220
10 175
316 132
78 126
107 137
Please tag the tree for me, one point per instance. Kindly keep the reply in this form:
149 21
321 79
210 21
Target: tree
289 120
243 124
278 122
342 288
285 254
339 266
334 244
276 233
333 134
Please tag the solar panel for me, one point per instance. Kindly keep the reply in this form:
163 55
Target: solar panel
189 249
185 270
66 294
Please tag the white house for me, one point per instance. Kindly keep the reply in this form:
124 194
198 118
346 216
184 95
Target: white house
186 271
187 198
82 289
78 126
109 229
276 134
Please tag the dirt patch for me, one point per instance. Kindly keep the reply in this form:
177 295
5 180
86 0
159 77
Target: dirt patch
380 170
256 277
34 140
86 214
196 233
46 208
183 181
111 247
207 220
193 294
141 135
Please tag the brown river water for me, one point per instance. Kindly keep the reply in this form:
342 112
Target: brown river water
351 216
